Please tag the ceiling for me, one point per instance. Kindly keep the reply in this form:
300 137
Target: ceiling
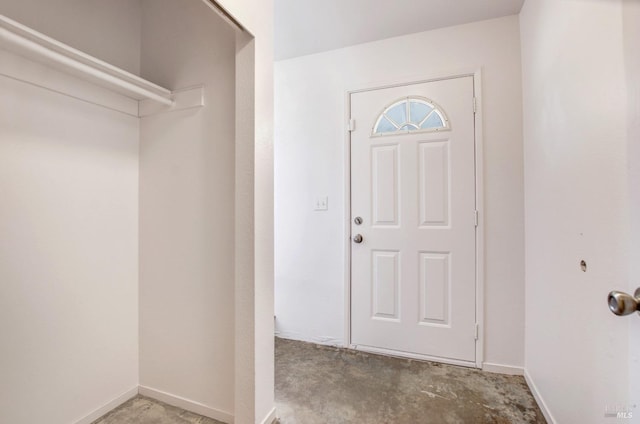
310 26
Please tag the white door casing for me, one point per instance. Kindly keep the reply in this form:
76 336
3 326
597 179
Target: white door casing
413 277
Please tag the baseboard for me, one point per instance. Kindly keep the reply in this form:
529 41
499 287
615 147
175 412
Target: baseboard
187 404
325 341
539 399
109 406
502 369
270 418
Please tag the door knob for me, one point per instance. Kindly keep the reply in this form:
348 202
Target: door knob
358 238
621 303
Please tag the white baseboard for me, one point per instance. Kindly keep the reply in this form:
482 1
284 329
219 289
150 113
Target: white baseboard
326 341
187 404
109 406
270 418
502 369
539 399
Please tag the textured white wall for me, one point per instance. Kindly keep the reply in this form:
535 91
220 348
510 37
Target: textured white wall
309 162
187 208
68 236
577 186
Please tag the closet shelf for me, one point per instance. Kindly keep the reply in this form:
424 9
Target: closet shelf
38 47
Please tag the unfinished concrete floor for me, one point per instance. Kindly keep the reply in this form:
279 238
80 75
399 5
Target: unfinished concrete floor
143 410
323 385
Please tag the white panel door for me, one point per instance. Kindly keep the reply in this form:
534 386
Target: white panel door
413 269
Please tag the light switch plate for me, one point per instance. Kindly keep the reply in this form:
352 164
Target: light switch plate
321 204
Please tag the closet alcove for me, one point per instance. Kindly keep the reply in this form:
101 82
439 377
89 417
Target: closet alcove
117 179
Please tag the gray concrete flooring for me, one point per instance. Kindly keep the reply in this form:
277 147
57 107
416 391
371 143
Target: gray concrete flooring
142 410
324 385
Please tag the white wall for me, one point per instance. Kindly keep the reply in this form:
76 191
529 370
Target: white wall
187 209
68 238
577 204
310 160
254 388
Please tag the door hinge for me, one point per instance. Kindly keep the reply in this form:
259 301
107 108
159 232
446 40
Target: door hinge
476 331
476 217
352 124
475 104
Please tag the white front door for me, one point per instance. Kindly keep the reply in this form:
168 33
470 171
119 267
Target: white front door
413 223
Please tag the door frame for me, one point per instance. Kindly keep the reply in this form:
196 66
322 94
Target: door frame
476 74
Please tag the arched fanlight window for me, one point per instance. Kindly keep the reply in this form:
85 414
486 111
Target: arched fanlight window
411 114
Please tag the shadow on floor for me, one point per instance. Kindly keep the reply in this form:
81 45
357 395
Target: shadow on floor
324 385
